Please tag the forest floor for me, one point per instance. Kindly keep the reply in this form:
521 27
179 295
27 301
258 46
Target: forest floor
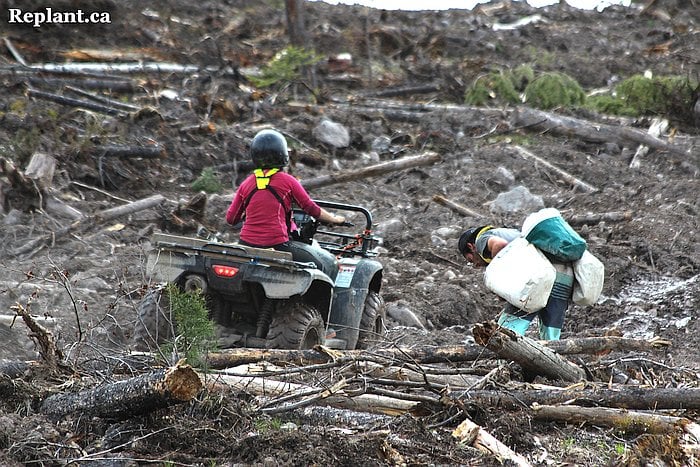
90 280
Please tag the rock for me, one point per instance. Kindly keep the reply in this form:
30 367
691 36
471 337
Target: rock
515 200
332 133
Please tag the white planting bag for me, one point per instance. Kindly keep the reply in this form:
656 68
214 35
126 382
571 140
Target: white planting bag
522 275
588 279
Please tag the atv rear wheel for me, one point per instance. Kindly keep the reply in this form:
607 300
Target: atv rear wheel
298 327
154 323
373 322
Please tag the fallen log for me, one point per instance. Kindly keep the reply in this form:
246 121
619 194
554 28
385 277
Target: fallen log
420 355
373 170
621 396
425 354
135 396
471 434
622 419
145 152
526 352
456 207
126 68
566 176
594 345
583 219
590 131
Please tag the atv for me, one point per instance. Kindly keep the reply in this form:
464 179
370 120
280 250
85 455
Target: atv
329 294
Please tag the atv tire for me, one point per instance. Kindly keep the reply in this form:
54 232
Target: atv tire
373 322
154 324
299 327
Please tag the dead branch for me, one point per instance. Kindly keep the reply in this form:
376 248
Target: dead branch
589 131
526 352
48 350
566 176
630 422
456 207
373 170
135 396
272 388
126 68
103 100
471 434
57 98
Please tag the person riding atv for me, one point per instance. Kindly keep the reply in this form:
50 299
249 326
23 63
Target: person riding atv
286 284
264 201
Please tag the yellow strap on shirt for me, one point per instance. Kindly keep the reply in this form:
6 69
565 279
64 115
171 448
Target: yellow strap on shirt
262 177
484 229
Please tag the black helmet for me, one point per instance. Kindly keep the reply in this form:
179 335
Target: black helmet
469 236
269 150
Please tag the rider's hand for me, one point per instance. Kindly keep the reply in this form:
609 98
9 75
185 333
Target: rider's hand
338 219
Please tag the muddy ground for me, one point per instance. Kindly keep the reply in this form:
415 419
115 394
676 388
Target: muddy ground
89 279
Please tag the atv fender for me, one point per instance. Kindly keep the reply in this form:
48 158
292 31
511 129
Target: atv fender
282 284
355 278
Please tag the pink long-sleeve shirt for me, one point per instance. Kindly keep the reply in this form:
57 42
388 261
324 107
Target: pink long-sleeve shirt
265 222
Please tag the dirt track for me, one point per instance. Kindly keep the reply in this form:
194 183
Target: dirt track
95 276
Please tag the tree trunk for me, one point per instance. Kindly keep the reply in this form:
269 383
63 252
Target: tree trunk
135 396
526 352
427 354
589 131
296 28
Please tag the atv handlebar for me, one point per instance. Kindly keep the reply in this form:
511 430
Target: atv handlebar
348 207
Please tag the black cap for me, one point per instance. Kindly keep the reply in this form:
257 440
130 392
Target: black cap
468 236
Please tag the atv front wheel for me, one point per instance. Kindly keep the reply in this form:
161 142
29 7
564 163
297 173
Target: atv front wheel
154 324
298 327
373 322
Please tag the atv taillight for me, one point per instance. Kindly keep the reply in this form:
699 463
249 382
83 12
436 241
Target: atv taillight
224 271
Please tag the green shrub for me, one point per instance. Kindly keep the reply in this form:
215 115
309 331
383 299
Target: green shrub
521 76
554 89
495 87
611 105
641 93
195 331
285 67
207 182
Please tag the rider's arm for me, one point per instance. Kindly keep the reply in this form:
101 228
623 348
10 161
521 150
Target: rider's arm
234 213
329 218
305 202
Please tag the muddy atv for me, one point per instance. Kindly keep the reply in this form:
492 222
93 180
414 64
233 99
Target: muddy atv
329 293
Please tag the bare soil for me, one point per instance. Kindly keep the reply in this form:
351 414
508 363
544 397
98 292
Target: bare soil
90 280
